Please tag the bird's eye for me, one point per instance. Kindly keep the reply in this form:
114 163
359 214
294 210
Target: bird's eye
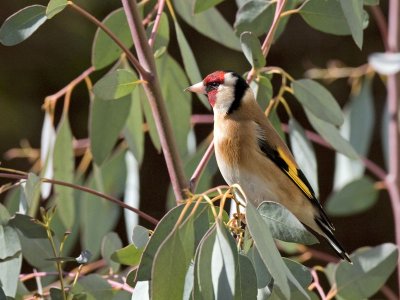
212 86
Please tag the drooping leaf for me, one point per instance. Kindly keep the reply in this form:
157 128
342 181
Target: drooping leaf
27 226
318 100
116 84
331 134
54 7
268 251
32 193
354 14
47 139
189 62
110 243
264 278
252 50
327 16
94 287
132 193
209 23
112 176
9 242
22 24
140 236
262 89
4 215
64 166
133 131
385 63
302 274
10 260
304 153
104 49
107 119
129 255
284 225
173 82
141 291
358 129
355 197
246 279
255 16
370 270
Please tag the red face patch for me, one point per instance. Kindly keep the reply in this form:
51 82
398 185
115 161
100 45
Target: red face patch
211 82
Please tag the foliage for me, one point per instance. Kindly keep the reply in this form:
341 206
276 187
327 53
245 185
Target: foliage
196 251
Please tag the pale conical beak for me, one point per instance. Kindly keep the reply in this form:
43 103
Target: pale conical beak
198 88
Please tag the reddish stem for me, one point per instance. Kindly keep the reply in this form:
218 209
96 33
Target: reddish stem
161 4
200 167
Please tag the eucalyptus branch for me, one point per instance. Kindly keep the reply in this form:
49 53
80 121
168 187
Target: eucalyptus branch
200 167
155 98
87 190
381 23
161 4
99 24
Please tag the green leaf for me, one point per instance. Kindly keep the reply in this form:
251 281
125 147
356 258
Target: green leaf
304 153
359 115
64 165
202 5
268 251
331 134
255 16
355 197
178 102
9 242
246 280
140 236
202 277
129 255
54 7
22 24
318 100
116 84
354 14
47 139
133 131
302 274
252 50
107 119
169 269
150 120
4 215
371 2
262 89
264 278
104 49
163 229
370 270
284 225
141 291
189 62
112 176
32 192
326 16
110 243
93 286
209 23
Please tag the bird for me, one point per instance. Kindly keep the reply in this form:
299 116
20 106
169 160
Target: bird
249 152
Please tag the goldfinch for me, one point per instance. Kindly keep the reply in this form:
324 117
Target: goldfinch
250 153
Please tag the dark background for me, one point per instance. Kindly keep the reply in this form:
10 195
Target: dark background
60 50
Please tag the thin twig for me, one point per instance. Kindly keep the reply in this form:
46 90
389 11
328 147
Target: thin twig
156 101
153 34
99 24
200 167
381 23
317 285
87 190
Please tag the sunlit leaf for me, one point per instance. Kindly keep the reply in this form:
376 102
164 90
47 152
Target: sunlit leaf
209 23
284 225
47 139
22 24
116 84
262 89
355 197
4 215
385 63
202 5
129 255
331 134
370 269
359 116
107 119
104 49
32 192
140 236
354 14
318 100
54 7
64 165
252 49
10 266
141 291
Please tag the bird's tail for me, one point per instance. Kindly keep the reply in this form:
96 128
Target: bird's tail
333 242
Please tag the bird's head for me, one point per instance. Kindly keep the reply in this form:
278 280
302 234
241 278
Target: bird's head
225 90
